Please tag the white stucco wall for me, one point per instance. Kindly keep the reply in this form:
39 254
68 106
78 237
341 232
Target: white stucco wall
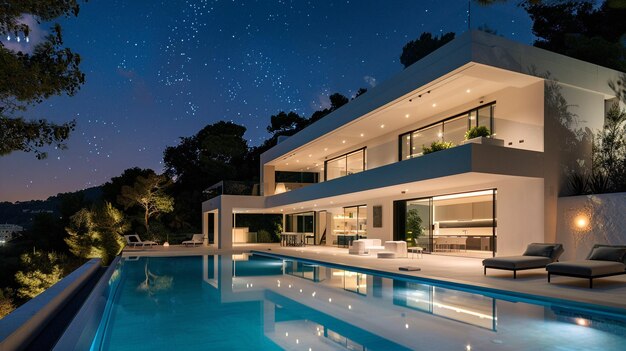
519 210
583 221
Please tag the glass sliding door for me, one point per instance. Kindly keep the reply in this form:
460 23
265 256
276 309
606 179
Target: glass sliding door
465 224
425 137
461 224
346 164
418 224
451 129
302 223
454 130
351 225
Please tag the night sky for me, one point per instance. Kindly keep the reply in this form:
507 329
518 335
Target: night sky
156 71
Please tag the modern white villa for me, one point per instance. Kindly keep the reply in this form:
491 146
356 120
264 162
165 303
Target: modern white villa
367 175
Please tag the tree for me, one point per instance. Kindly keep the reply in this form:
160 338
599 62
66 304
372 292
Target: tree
97 233
41 271
30 77
413 224
285 123
416 49
609 150
581 29
149 193
337 100
217 152
6 302
360 92
112 188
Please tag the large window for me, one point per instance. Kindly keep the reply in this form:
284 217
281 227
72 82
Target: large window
350 225
458 224
300 222
350 163
451 129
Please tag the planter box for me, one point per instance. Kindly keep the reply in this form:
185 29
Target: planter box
485 141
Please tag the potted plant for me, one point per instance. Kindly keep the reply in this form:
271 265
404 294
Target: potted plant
436 146
481 135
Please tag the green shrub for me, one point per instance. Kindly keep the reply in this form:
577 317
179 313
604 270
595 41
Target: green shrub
478 131
263 236
578 183
437 146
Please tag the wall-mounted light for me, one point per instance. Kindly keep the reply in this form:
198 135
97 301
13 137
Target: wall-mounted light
581 221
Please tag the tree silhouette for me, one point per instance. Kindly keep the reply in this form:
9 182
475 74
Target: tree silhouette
30 77
417 49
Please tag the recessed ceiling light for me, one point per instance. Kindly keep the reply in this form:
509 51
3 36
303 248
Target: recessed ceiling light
343 141
281 210
362 135
434 105
467 91
332 202
310 155
314 205
440 134
407 115
325 149
382 126
297 161
287 164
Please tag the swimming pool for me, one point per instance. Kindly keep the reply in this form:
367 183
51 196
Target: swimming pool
252 302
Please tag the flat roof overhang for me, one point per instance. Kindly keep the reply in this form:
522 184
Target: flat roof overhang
475 60
457 167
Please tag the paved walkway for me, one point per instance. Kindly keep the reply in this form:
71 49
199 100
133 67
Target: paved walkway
610 291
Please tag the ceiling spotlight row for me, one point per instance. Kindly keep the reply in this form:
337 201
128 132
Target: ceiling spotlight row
382 126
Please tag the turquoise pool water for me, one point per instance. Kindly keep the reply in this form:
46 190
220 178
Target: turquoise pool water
251 302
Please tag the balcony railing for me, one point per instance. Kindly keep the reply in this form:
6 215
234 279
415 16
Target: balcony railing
232 187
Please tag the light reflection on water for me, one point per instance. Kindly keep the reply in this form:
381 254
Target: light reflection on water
255 303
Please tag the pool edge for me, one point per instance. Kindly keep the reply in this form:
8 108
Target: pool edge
528 297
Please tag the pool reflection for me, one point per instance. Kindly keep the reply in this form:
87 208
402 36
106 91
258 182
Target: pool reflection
253 302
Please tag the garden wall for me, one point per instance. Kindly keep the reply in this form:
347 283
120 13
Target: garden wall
589 219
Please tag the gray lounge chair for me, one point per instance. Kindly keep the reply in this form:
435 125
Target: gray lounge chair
602 261
537 255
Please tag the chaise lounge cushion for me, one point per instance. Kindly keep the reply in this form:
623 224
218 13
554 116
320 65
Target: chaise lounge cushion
586 268
517 262
544 250
604 253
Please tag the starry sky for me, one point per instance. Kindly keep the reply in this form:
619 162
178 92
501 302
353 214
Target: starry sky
159 70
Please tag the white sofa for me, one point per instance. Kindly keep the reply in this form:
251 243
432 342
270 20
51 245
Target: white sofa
364 246
397 247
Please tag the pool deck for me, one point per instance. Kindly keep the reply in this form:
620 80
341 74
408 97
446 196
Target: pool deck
610 291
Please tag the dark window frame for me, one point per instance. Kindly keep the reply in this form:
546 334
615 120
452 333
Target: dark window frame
363 149
442 122
399 206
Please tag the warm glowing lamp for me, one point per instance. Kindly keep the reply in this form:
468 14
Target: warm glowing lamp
280 188
581 221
